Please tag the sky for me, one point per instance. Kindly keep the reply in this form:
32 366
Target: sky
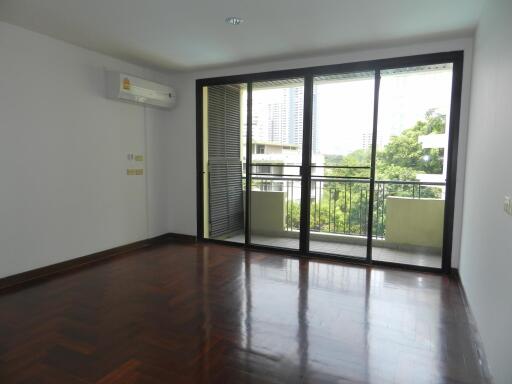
344 108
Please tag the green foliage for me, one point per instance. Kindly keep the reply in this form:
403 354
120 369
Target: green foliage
358 158
403 157
341 207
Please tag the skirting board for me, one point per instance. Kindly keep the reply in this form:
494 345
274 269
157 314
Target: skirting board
39 274
478 343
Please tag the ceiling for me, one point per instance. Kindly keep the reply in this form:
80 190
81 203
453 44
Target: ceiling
192 34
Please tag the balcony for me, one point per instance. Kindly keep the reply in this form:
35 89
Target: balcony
407 217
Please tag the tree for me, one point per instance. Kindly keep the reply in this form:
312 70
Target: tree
402 159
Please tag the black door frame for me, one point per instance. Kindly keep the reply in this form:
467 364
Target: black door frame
455 57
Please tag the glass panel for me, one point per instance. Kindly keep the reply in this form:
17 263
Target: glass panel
341 159
277 121
224 121
411 166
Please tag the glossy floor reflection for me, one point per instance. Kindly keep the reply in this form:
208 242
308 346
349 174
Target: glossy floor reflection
182 313
419 257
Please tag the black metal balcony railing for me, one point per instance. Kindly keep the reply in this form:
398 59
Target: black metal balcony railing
340 206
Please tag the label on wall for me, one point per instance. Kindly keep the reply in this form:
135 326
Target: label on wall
134 169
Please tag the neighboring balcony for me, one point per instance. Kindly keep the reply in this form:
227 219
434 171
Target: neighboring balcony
408 217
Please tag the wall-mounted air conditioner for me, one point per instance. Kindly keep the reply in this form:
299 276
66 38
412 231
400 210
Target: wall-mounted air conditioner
121 86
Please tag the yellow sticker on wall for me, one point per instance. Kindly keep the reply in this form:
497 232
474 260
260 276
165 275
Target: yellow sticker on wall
126 84
135 171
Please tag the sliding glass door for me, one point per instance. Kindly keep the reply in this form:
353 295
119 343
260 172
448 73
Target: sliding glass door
411 164
341 148
276 130
350 161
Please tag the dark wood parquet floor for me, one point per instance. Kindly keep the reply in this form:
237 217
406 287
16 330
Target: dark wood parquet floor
187 313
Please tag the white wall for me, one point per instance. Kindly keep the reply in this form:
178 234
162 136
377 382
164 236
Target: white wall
486 261
181 154
64 192
63 147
